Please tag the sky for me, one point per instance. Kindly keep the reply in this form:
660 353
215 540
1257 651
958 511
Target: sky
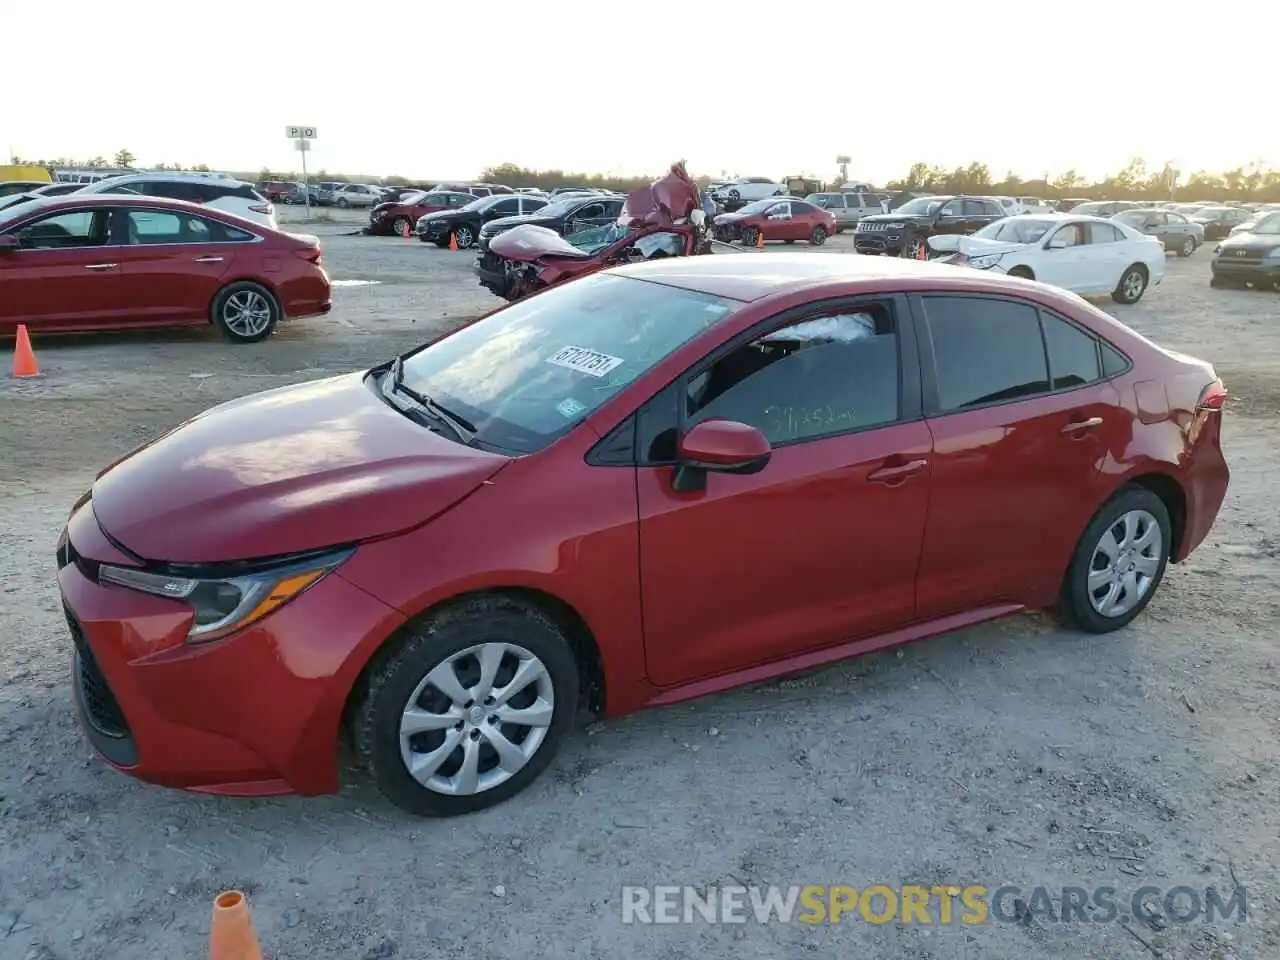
442 89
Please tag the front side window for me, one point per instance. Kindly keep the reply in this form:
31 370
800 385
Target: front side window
822 376
71 230
529 373
985 351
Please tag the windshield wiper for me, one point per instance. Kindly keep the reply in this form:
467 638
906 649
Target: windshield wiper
460 425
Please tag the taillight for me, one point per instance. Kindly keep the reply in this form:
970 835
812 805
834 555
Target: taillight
1212 397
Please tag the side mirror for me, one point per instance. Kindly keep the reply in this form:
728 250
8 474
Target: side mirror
720 446
9 243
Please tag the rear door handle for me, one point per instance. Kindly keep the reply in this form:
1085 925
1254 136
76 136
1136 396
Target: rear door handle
208 259
898 472
1079 426
101 266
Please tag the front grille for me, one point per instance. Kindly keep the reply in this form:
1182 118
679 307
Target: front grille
99 702
869 227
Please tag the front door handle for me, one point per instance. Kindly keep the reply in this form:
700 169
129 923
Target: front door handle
1079 426
208 259
897 473
101 266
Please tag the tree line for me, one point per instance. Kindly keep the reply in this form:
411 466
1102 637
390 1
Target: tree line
1136 181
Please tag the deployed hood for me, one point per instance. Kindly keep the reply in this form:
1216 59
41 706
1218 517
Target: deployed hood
663 202
530 241
294 469
972 246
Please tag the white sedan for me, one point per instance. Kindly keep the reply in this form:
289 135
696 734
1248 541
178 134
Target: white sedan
1090 256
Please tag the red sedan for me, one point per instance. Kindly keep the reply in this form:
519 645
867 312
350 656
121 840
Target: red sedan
112 261
648 484
774 219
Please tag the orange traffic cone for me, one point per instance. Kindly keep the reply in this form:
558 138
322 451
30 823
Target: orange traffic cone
24 358
453 241
406 231
231 934
924 251
759 239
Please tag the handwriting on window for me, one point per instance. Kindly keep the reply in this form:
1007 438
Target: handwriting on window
792 423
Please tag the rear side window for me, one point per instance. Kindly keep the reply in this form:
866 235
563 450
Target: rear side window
1104 233
1114 362
985 351
1073 354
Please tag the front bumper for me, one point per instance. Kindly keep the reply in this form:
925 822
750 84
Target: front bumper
727 232
1246 269
888 242
254 714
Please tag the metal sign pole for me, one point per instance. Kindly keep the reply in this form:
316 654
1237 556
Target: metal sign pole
306 182
302 137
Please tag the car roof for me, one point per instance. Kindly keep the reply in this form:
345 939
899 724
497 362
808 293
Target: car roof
752 276
181 177
73 201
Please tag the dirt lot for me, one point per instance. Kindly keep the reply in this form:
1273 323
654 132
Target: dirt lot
1012 753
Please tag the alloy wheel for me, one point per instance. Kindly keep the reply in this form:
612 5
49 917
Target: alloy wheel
1125 563
464 237
247 313
912 250
477 719
1133 285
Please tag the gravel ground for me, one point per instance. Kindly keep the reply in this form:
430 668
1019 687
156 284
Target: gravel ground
1014 752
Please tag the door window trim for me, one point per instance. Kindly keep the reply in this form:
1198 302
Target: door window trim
910 398
928 358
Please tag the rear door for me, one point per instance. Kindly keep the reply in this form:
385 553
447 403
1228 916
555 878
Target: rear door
66 275
172 264
1108 255
1021 422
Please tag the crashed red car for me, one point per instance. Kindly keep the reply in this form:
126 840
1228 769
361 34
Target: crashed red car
776 219
394 218
663 219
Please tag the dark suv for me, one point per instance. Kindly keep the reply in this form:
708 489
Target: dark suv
905 232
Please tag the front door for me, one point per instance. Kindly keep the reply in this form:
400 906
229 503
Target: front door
65 275
1064 263
1018 447
820 546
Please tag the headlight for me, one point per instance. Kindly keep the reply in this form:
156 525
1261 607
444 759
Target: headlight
223 605
1274 253
986 262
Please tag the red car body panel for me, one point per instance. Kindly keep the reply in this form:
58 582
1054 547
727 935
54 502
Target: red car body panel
668 586
798 227
123 285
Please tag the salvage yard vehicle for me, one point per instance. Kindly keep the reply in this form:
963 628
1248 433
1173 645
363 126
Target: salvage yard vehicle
906 230
463 224
1251 257
1218 222
646 485
1086 255
1171 228
660 220
395 218
357 195
846 206
747 189
788 219
231 196
565 214
79 263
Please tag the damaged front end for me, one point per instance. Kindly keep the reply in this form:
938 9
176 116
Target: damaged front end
662 219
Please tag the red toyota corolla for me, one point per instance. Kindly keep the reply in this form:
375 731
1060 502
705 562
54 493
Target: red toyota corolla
645 485
776 219
114 261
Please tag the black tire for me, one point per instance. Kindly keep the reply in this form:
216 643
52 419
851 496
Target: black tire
342 202
910 247
750 237
1074 603
465 237
1188 247
1023 272
397 670
231 298
818 237
398 225
1128 290
735 195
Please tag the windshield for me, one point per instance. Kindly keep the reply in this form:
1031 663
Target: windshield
14 200
526 375
413 197
1016 230
921 206
1212 211
560 206
824 200
594 239
759 206
482 203
1268 225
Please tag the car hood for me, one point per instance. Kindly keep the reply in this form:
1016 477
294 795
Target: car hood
666 201
722 218
893 218
438 215
293 469
528 241
1247 239
973 247
499 224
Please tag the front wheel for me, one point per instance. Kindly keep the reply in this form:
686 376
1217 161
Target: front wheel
1188 247
468 708
818 237
464 237
1118 563
400 226
915 249
342 202
751 237
1133 283
245 312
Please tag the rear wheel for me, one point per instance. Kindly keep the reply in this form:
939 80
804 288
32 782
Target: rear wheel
342 202
818 237
1188 247
245 312
1132 285
468 709
1118 563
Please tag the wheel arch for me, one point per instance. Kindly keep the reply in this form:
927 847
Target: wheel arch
266 285
1164 485
582 643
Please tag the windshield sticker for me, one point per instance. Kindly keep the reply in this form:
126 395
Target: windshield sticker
590 362
570 408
